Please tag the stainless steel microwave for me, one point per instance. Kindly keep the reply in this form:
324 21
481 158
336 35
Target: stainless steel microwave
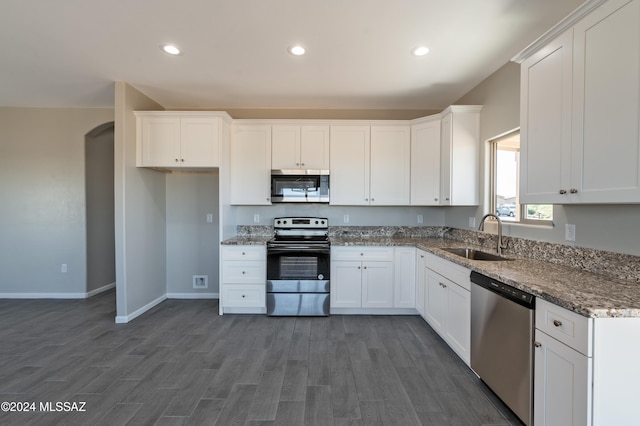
299 186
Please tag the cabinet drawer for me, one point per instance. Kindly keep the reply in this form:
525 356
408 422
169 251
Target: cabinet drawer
249 272
453 272
362 253
244 253
570 328
243 296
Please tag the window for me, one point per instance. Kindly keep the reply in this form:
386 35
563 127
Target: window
505 172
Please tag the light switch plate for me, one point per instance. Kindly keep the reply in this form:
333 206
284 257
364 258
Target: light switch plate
570 232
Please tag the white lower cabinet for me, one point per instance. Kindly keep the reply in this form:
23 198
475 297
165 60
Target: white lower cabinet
368 278
561 390
421 281
586 369
243 279
448 303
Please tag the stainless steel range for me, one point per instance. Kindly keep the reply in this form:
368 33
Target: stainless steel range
298 282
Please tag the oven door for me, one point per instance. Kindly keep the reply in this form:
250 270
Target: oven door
298 281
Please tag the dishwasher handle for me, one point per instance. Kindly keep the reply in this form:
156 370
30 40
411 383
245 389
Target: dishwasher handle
508 292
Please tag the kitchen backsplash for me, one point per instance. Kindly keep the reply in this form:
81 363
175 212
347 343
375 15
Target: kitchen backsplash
613 266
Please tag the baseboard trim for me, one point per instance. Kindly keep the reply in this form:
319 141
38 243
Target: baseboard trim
101 289
193 295
123 319
43 295
58 295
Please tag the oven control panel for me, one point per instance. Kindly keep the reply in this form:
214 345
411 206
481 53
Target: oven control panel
301 222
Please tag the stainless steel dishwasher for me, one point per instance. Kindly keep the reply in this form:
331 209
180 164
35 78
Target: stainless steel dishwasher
502 327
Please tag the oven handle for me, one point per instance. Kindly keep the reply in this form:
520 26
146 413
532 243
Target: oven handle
313 249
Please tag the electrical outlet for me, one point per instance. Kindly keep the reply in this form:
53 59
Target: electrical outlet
420 218
570 232
472 222
256 218
200 281
63 268
346 218
209 217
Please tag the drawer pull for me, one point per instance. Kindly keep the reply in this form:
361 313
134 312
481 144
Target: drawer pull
557 323
244 295
537 344
243 272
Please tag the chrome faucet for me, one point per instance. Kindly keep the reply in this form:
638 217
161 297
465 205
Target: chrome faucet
500 244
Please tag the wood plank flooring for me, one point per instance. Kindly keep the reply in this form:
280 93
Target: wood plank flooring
182 364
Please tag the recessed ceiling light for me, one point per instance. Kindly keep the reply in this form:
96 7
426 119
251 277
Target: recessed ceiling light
171 49
420 51
297 50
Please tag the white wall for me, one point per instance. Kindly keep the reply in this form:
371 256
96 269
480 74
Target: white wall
139 214
605 227
42 200
358 216
192 242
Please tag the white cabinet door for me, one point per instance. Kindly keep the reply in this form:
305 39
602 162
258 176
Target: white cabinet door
314 147
545 123
605 147
346 284
561 378
177 140
199 145
459 159
404 283
285 147
349 155
251 165
436 301
421 282
377 284
458 320
300 147
390 183
425 163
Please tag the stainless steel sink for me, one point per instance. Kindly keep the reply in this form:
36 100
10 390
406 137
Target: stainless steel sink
473 254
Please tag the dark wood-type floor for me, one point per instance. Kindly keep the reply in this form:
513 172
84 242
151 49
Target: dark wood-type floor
181 364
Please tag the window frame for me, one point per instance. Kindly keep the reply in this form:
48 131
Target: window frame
520 217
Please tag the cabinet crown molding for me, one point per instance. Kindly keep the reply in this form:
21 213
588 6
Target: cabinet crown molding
557 29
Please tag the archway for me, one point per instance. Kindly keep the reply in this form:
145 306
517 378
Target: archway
99 195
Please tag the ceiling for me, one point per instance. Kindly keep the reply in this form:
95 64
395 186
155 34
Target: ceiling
68 53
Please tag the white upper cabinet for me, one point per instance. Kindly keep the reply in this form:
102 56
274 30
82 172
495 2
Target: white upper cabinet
459 161
349 153
545 122
370 165
178 139
580 109
390 181
425 163
251 164
300 147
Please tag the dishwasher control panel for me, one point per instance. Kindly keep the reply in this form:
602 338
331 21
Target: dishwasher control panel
505 290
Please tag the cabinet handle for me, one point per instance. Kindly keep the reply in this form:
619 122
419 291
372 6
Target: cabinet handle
364 267
537 344
557 323
243 253
297 164
302 164
243 272
373 199
182 159
176 160
361 254
442 285
366 199
422 256
573 191
243 296
435 199
358 267
563 191
447 199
